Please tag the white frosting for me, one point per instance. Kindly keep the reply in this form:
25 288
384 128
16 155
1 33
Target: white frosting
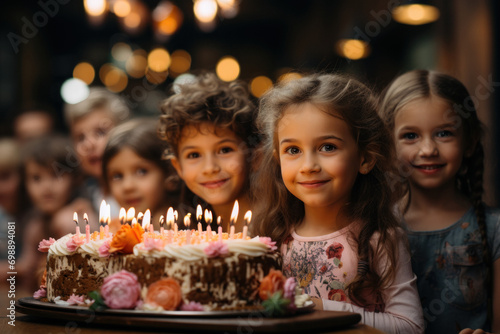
91 247
59 247
252 247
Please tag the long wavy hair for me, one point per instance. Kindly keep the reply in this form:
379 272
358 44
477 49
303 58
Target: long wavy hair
422 84
371 200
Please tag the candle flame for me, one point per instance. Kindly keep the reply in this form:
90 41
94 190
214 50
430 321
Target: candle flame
170 217
140 216
199 213
130 214
208 217
146 220
161 220
219 220
108 214
102 212
248 217
75 217
134 221
187 220
176 215
234 213
122 215
85 218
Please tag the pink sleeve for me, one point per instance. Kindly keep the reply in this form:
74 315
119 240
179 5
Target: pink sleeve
403 312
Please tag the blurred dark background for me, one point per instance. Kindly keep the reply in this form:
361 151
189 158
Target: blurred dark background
42 42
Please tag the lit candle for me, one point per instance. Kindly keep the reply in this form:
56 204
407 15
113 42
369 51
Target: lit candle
102 217
134 221
248 218
170 222
199 215
87 227
219 228
208 220
131 216
108 220
122 215
145 220
140 217
176 217
234 217
75 219
162 221
187 222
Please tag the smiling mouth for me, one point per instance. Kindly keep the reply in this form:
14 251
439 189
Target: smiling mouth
214 184
313 184
428 167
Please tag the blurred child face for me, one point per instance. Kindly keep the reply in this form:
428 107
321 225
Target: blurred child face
318 155
90 135
212 162
10 182
48 191
135 181
430 142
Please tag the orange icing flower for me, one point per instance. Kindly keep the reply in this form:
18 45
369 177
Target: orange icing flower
166 293
273 282
126 238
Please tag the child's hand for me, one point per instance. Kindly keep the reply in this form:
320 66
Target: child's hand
318 304
472 331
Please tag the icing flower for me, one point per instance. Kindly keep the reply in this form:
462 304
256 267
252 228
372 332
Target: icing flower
166 293
215 249
74 242
269 242
121 290
40 293
126 238
104 249
44 245
192 306
270 284
153 244
76 300
289 288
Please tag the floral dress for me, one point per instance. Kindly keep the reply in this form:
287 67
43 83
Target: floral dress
451 272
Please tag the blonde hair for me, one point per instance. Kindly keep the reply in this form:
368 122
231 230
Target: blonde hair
278 211
98 98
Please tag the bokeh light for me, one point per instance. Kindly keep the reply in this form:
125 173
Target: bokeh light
137 63
85 72
167 18
113 78
180 62
228 69
259 85
156 77
205 10
74 91
95 7
181 80
289 76
121 8
159 60
121 51
353 48
415 14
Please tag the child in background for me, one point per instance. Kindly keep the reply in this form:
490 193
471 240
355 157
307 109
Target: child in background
209 126
454 237
51 184
325 200
89 122
135 172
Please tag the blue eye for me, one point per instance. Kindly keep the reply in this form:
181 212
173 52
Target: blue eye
444 134
292 150
328 148
410 136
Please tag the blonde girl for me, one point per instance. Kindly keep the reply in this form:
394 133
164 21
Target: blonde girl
454 237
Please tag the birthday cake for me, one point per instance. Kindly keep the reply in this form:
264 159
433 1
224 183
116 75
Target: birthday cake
163 270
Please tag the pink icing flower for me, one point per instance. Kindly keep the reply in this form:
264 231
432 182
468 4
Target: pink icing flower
289 288
40 293
44 245
192 306
215 249
269 242
153 244
121 290
76 300
74 242
104 248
